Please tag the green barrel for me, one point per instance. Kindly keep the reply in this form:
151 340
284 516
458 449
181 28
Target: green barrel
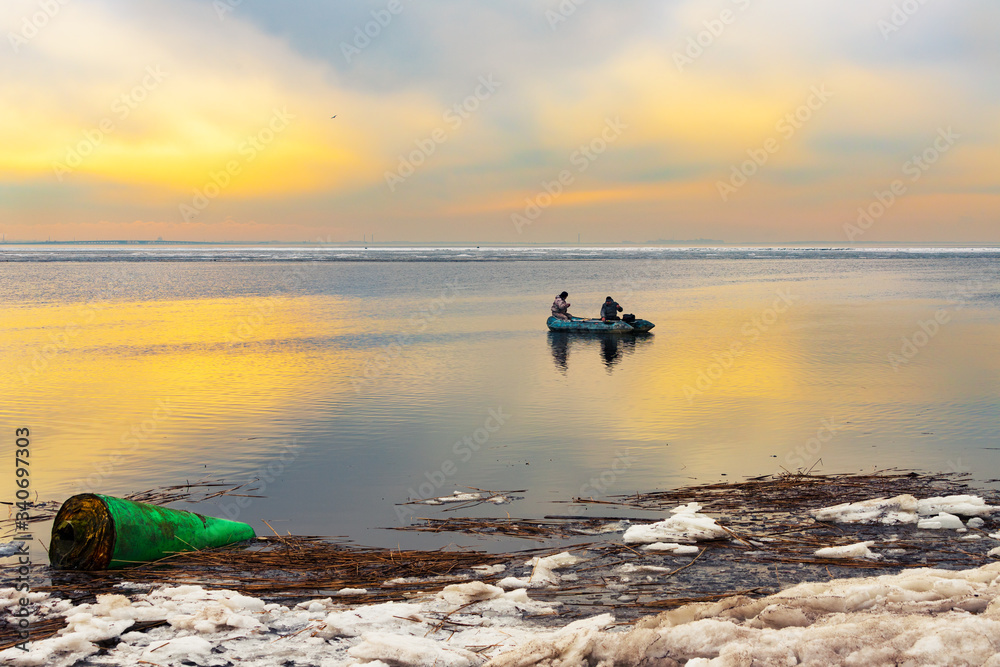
98 532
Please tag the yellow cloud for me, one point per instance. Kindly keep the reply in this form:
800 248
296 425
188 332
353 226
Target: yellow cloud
104 98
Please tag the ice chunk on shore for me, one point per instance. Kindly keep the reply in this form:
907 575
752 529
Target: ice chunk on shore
351 591
9 548
961 505
455 497
686 525
181 647
473 591
544 572
942 521
857 550
407 650
513 583
632 568
902 509
672 547
356 622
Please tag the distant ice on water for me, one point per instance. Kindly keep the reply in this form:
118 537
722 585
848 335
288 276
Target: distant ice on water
51 252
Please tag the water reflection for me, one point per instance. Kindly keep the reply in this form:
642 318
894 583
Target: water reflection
379 399
611 347
128 391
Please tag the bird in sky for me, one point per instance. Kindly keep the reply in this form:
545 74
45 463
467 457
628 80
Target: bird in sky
334 116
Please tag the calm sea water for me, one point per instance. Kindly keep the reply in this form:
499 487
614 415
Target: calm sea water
346 387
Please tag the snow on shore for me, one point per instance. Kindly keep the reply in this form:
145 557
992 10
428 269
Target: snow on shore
216 628
918 617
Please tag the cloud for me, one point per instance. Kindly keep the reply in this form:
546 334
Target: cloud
165 97
84 84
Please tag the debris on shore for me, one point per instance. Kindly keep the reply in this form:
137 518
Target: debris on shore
764 568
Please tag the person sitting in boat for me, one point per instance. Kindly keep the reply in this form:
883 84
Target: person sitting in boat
610 310
560 309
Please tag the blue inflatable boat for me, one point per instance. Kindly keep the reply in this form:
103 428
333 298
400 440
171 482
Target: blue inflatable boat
596 325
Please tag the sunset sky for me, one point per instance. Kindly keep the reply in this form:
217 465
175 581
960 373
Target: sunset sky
514 121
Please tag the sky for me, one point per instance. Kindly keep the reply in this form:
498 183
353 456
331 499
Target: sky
509 121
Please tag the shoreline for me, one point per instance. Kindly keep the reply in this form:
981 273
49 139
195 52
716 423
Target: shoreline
921 616
761 571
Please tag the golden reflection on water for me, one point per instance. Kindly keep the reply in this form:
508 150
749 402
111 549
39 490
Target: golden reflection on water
735 389
131 395
114 390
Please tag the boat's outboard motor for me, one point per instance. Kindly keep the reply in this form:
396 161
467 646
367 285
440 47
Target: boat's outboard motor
628 317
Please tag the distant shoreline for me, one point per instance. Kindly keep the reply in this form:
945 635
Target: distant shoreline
346 253
493 245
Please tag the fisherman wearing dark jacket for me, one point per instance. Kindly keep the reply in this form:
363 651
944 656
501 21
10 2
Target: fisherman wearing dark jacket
610 310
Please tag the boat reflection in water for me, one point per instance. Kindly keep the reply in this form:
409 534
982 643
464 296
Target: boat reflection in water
611 347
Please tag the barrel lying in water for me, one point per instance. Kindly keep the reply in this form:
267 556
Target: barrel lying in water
97 532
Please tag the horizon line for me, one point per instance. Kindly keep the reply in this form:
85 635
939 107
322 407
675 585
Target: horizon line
477 244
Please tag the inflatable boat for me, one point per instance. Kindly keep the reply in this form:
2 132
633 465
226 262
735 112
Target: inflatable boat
596 325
